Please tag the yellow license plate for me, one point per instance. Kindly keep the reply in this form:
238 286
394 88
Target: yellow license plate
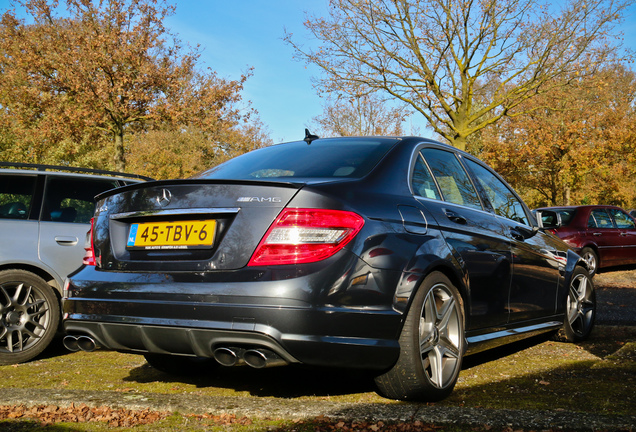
172 235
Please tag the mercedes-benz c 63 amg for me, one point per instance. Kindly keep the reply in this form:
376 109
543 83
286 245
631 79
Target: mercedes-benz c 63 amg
397 255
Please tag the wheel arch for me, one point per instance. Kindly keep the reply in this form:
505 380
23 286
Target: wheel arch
449 269
47 276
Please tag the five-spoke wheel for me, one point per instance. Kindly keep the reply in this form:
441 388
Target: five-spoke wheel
432 345
580 307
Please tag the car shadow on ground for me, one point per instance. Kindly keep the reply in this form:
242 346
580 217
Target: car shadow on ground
296 381
283 382
55 349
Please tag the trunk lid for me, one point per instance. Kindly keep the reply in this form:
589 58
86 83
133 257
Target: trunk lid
185 225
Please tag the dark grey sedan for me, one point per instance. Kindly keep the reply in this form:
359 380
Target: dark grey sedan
397 255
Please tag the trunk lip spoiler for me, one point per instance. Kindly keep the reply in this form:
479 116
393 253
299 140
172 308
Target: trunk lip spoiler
255 182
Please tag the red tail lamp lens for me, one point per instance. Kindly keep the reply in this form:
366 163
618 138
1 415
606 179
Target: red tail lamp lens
306 235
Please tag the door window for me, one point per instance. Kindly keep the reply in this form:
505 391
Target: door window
68 199
453 181
503 201
16 193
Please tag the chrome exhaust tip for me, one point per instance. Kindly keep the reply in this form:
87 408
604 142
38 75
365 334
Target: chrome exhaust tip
86 343
262 358
227 357
70 343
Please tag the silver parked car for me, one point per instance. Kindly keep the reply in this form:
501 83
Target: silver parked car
44 218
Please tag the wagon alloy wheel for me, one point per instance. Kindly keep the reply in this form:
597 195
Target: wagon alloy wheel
580 307
432 345
440 336
29 316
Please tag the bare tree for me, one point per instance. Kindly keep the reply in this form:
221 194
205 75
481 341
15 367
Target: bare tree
463 64
362 115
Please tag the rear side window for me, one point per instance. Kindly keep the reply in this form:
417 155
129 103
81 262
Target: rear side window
566 216
328 158
599 218
72 199
451 177
422 182
16 195
549 219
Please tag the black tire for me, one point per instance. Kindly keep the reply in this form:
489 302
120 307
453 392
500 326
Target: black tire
181 365
432 345
29 316
591 257
580 307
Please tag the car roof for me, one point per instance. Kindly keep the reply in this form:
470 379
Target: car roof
28 168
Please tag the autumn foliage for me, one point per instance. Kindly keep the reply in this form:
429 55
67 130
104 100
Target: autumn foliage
76 85
575 146
81 413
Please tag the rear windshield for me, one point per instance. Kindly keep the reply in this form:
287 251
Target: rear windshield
325 158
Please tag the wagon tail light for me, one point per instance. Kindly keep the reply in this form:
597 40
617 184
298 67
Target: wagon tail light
89 255
306 235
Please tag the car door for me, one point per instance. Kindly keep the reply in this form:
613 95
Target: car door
535 263
442 186
67 208
602 231
18 225
626 237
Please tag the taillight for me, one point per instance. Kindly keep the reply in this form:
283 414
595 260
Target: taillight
89 255
306 235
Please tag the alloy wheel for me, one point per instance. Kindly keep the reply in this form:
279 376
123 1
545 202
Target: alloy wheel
440 336
581 305
590 258
24 316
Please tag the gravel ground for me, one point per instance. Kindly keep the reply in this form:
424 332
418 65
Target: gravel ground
298 410
616 298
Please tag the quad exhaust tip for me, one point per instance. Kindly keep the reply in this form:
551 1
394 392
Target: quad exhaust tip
257 358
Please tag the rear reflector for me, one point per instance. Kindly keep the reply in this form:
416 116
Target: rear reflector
89 254
306 235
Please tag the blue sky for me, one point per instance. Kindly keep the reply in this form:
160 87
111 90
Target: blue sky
237 35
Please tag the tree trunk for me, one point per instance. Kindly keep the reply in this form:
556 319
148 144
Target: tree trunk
459 142
120 154
566 195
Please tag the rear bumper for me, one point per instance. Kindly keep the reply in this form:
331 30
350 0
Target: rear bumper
162 314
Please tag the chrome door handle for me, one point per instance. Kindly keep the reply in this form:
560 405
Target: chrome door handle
455 217
66 240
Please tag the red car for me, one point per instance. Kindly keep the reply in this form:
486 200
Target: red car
604 235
